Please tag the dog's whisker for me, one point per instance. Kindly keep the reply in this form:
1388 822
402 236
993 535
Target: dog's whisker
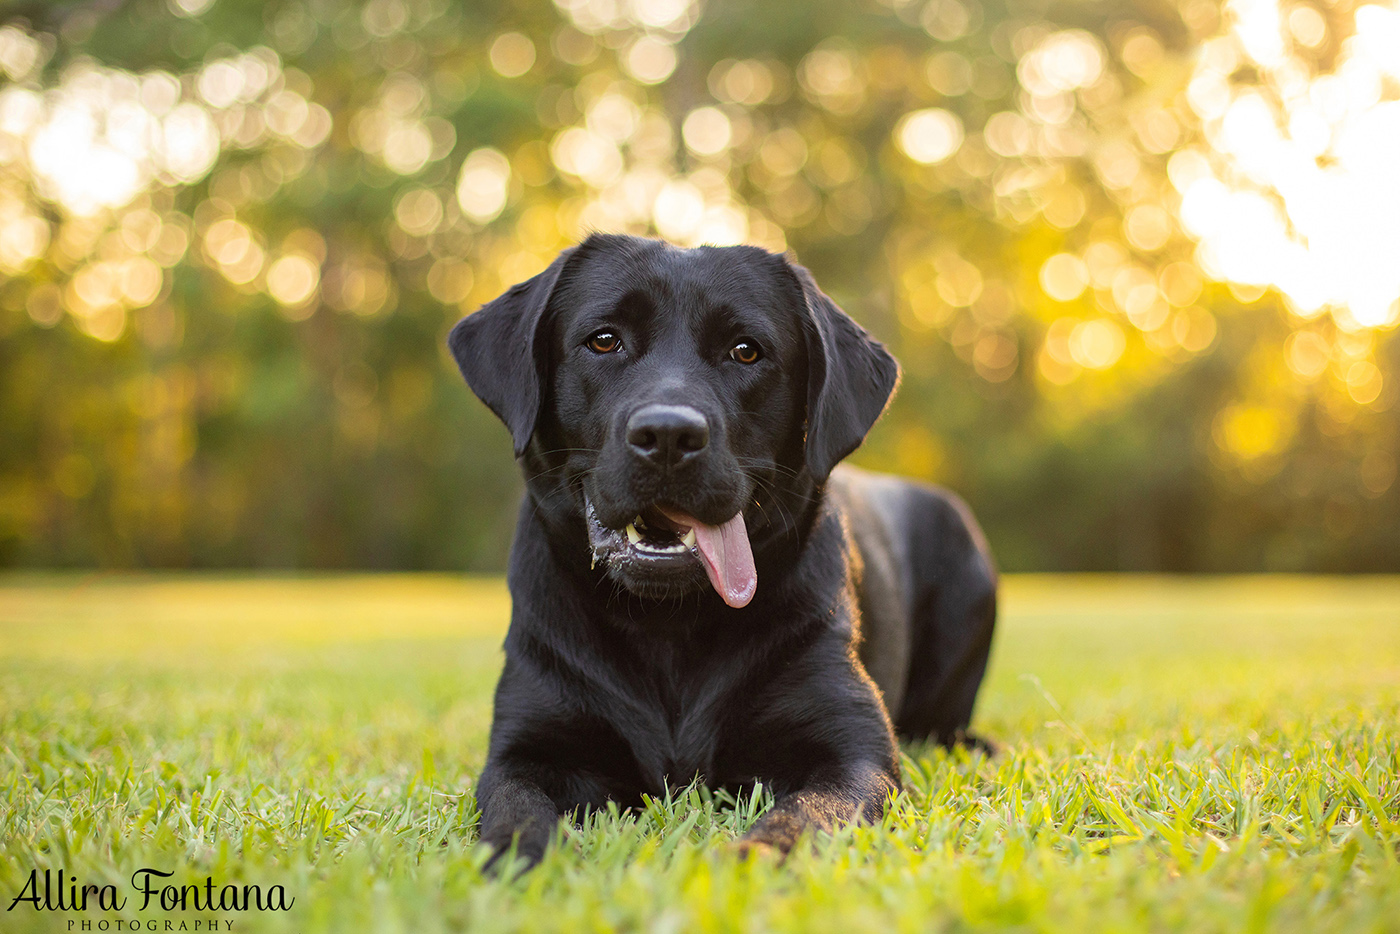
764 486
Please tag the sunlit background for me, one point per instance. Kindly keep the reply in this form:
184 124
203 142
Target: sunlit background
1141 261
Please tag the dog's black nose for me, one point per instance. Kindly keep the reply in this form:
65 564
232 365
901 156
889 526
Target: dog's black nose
667 434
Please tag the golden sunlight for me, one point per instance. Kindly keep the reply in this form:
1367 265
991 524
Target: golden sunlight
1298 190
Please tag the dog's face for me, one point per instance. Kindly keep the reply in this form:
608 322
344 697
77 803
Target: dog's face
677 387
674 401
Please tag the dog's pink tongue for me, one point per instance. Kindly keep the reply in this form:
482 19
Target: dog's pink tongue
727 556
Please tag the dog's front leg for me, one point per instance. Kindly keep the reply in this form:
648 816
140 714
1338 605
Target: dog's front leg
515 810
838 796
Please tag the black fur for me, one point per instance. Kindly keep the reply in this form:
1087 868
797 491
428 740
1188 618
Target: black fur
876 597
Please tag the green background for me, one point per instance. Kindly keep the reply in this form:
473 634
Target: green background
209 426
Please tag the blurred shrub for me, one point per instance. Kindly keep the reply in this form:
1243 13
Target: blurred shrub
1137 259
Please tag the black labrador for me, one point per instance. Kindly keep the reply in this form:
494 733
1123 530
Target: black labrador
698 590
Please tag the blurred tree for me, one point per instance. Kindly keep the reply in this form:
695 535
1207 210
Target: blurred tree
1136 259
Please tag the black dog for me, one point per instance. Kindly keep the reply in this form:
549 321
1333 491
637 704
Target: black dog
698 589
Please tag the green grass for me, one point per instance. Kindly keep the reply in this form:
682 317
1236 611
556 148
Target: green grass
1201 755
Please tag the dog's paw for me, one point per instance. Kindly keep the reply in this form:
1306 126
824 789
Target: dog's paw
756 850
976 742
510 858
972 742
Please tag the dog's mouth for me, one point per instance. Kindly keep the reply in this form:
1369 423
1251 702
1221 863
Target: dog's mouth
655 531
660 538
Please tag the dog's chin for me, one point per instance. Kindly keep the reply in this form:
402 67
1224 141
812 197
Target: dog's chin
650 563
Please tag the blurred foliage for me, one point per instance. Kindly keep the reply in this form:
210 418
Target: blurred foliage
1123 251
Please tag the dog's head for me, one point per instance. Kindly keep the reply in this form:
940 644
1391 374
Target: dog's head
676 402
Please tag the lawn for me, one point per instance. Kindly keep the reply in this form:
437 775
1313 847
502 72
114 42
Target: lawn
1214 754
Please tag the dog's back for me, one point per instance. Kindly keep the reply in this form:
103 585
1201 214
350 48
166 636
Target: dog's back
926 586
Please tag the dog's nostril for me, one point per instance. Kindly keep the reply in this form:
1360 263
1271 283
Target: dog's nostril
667 433
691 440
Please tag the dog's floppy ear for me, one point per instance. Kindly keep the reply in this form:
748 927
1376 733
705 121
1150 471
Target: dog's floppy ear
500 350
850 379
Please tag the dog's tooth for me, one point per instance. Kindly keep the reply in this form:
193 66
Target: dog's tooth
633 535
688 540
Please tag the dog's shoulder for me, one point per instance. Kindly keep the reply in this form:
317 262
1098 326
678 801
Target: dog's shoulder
915 522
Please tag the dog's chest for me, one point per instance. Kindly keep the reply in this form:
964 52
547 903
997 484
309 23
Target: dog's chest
680 730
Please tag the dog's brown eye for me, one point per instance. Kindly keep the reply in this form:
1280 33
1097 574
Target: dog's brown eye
605 342
746 352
